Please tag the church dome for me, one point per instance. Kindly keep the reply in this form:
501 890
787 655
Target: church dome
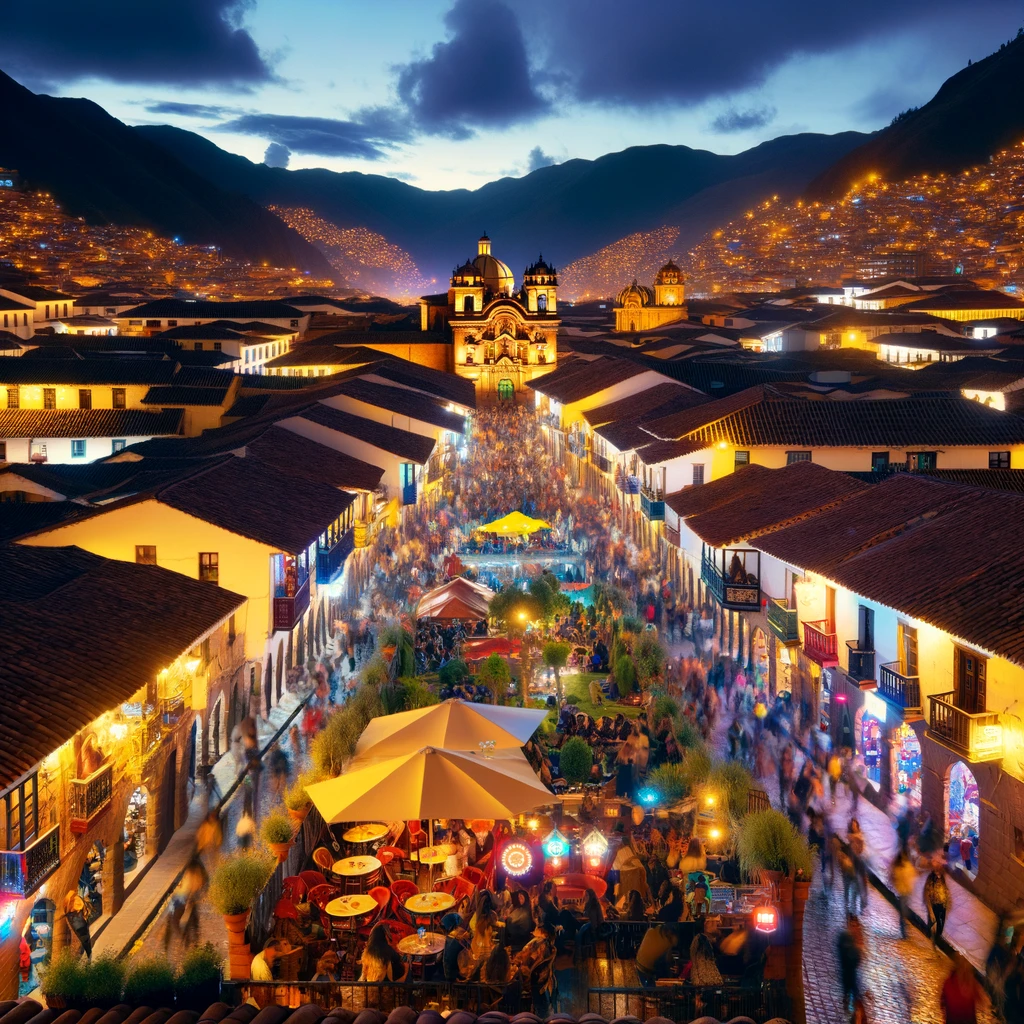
669 274
497 277
636 294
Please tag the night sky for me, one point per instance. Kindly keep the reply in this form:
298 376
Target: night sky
454 93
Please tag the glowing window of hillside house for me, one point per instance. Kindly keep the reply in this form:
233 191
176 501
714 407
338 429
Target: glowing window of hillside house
145 554
209 566
18 810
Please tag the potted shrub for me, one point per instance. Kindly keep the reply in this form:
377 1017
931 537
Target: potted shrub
63 982
104 980
197 984
233 889
150 982
278 833
575 761
296 799
768 843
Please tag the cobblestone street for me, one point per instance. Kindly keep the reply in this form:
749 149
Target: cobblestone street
903 976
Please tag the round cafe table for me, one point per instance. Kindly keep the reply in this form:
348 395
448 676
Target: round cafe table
421 950
359 835
345 911
357 873
429 903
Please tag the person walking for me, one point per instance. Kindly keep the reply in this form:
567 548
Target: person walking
903 875
850 956
961 994
937 901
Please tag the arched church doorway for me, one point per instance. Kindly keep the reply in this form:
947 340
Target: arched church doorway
506 390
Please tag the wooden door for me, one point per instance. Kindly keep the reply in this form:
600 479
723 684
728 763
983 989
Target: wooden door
907 643
970 681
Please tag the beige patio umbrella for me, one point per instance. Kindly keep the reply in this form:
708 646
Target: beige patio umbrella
432 783
451 725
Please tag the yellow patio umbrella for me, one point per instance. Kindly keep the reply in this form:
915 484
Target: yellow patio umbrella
432 783
515 524
451 725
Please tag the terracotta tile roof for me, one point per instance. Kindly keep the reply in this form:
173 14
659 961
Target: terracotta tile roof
761 503
83 634
449 387
657 452
583 379
249 405
257 500
403 401
41 424
680 424
975 299
296 454
17 519
15 370
258 309
403 443
171 397
695 501
659 400
990 479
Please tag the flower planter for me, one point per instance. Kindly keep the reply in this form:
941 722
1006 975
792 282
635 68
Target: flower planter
56 1002
280 851
298 816
239 954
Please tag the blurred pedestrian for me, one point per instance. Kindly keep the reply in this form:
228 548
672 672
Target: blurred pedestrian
903 875
937 901
961 993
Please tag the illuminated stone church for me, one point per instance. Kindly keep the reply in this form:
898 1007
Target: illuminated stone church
639 308
501 338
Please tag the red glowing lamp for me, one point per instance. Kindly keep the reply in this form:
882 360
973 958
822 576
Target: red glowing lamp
766 918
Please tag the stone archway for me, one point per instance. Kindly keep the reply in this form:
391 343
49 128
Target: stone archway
963 813
214 728
165 809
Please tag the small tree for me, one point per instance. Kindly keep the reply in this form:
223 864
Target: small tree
649 656
453 672
625 674
495 674
575 761
556 654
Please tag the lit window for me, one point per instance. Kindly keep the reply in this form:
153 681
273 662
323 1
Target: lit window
209 566
119 398
145 554
78 449
118 444
13 398
698 473
742 459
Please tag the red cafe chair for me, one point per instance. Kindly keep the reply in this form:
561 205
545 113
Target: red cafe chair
396 863
294 888
312 879
383 897
475 877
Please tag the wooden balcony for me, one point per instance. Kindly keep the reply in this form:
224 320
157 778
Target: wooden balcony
820 643
672 535
783 622
288 610
23 871
977 737
901 690
602 462
628 484
652 504
578 445
330 561
860 665
744 597
89 797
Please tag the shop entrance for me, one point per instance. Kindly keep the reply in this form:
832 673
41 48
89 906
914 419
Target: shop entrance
963 808
906 766
133 835
868 733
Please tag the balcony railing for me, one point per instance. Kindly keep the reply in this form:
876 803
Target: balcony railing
409 494
330 561
899 689
729 594
860 665
628 484
171 710
578 445
672 535
783 622
652 504
820 642
978 737
89 797
602 462
288 610
23 871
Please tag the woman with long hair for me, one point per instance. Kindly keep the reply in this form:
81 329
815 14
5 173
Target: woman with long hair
380 960
519 922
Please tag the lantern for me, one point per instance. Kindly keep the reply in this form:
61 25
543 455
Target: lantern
595 846
556 845
517 858
766 918
638 815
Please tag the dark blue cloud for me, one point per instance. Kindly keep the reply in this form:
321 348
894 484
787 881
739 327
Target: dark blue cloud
277 155
538 159
671 53
367 136
479 78
176 109
733 120
181 42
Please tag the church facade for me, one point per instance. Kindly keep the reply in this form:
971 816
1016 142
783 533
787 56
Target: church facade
639 308
501 338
